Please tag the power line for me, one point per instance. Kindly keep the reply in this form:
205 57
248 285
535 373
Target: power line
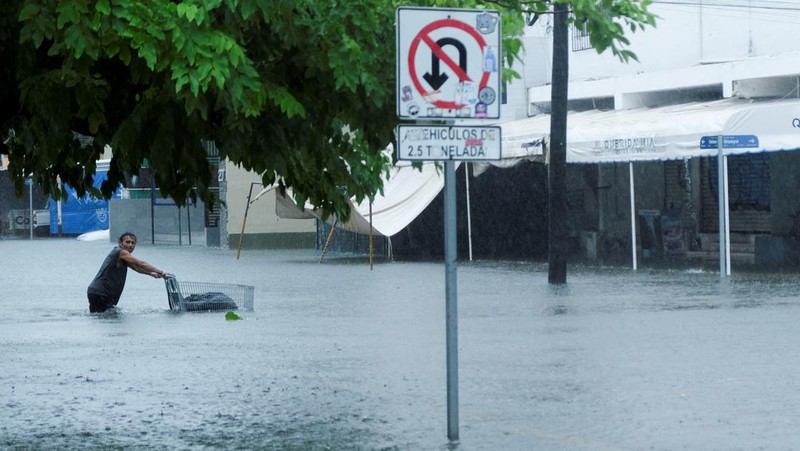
789 16
775 6
764 13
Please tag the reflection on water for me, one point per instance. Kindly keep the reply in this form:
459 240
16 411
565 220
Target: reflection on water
335 356
557 310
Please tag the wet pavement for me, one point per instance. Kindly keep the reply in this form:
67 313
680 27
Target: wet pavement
335 356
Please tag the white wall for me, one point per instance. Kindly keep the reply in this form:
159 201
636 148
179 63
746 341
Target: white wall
691 41
757 28
261 217
516 104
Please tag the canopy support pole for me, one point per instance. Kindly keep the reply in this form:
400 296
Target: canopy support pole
633 218
244 221
328 241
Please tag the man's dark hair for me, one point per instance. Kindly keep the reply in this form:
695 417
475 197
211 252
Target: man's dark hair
122 237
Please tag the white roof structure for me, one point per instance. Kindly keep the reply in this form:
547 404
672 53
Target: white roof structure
663 133
405 194
672 132
646 134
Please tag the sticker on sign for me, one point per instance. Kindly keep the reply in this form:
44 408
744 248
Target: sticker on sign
448 142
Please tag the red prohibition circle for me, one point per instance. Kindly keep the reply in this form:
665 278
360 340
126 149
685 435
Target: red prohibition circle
423 35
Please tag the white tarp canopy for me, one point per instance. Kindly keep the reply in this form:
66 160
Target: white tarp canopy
663 133
644 134
672 132
407 192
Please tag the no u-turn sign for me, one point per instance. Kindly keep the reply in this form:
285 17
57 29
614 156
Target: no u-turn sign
448 63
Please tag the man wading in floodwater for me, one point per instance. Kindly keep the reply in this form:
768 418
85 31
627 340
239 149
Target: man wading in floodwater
107 286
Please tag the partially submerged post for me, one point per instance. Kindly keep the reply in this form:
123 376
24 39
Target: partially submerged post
244 221
557 184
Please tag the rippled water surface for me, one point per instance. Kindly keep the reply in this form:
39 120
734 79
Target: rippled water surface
336 356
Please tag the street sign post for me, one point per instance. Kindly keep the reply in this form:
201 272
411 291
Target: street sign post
448 68
721 142
448 63
448 142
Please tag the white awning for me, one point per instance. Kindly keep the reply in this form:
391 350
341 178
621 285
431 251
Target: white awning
674 132
645 134
405 194
663 133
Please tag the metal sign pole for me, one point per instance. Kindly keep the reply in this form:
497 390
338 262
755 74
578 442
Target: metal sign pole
727 218
720 142
722 201
451 305
29 182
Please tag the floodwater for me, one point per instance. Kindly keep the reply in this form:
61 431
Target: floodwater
335 356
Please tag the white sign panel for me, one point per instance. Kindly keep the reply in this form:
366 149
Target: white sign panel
448 142
449 63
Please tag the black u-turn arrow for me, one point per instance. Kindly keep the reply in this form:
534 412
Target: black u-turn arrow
437 78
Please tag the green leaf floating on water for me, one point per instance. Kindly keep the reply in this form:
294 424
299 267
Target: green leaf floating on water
231 316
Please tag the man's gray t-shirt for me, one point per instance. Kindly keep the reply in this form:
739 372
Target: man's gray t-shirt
110 280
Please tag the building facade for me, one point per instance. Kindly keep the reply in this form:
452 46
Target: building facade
701 51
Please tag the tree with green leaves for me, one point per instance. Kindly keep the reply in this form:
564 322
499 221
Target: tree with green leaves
299 91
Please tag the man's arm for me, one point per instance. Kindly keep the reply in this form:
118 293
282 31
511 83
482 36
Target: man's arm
140 266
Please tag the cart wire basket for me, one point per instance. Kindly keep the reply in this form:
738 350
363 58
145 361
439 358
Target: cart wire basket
206 296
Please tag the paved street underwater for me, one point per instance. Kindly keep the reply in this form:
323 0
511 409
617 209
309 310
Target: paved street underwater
335 356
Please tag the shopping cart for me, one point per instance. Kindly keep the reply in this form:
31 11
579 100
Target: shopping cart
205 296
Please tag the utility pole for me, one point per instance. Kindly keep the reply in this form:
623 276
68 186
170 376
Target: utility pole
557 183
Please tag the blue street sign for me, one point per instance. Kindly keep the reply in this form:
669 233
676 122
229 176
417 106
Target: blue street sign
730 142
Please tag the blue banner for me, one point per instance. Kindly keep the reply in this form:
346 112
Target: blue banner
81 215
